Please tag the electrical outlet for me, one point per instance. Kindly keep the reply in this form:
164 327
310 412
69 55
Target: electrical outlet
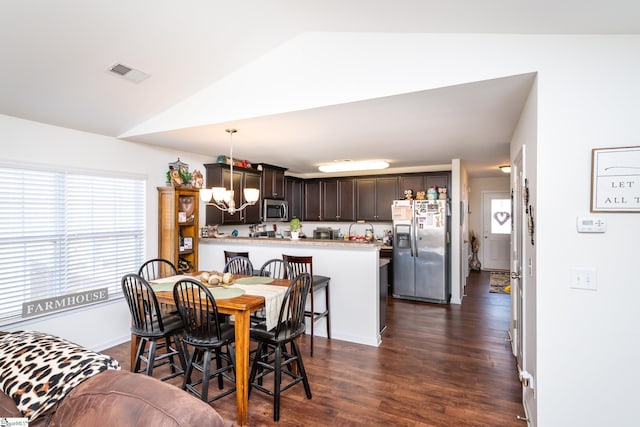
583 278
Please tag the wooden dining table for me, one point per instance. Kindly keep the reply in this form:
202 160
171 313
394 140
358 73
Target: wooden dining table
241 308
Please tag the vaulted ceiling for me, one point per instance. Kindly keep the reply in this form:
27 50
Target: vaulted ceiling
56 55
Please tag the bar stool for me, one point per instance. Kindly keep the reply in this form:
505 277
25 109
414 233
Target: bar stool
297 265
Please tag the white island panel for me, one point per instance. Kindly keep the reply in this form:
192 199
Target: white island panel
352 267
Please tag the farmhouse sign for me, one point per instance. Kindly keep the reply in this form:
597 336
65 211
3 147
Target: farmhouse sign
64 302
615 179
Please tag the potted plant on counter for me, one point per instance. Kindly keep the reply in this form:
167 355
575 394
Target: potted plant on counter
294 227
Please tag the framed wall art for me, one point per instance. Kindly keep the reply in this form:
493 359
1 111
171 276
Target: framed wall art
615 179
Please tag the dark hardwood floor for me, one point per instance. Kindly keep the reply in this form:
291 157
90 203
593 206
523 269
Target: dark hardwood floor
437 366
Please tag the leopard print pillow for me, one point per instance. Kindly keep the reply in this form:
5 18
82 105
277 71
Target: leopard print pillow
37 370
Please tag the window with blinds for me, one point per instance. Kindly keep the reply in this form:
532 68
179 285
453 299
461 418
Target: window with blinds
66 233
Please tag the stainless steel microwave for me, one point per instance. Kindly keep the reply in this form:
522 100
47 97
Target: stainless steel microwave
275 210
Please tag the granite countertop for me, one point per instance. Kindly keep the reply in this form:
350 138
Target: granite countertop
287 241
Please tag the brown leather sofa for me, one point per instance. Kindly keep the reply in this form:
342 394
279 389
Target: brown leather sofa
121 398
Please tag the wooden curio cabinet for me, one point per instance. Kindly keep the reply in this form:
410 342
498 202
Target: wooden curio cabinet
178 230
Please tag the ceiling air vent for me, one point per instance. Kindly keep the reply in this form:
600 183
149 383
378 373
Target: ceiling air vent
128 73
120 69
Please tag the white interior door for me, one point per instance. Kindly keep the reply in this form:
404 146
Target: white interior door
496 230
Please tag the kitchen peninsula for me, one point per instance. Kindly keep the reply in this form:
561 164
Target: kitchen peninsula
353 269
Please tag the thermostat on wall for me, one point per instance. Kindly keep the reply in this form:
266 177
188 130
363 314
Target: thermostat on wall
591 224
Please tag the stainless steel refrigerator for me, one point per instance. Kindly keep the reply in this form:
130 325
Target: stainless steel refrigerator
421 250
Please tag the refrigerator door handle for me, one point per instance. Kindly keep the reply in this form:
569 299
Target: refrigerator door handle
414 237
411 239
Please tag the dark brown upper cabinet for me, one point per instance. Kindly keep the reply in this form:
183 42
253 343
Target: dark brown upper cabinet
273 184
311 211
374 196
338 197
294 194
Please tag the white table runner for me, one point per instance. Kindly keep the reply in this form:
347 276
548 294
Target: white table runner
273 297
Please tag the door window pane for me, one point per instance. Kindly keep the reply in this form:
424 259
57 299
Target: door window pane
500 216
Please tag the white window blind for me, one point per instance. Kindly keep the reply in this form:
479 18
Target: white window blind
65 232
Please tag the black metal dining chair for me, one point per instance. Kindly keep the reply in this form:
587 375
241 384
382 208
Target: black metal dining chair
239 265
272 268
297 265
272 355
230 254
275 268
207 336
157 269
157 329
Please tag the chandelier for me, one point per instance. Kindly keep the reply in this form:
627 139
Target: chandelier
222 198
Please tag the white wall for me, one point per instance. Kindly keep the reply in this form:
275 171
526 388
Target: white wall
524 143
26 142
456 279
587 340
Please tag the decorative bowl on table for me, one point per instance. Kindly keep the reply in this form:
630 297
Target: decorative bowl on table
215 278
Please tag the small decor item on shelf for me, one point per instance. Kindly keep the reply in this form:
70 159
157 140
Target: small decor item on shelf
178 174
421 195
432 193
186 205
294 227
408 194
209 231
197 180
188 243
184 266
442 193
173 178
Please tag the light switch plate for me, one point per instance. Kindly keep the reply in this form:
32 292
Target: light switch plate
583 278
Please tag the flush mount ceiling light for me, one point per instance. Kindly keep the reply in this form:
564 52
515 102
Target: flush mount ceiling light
352 165
505 168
